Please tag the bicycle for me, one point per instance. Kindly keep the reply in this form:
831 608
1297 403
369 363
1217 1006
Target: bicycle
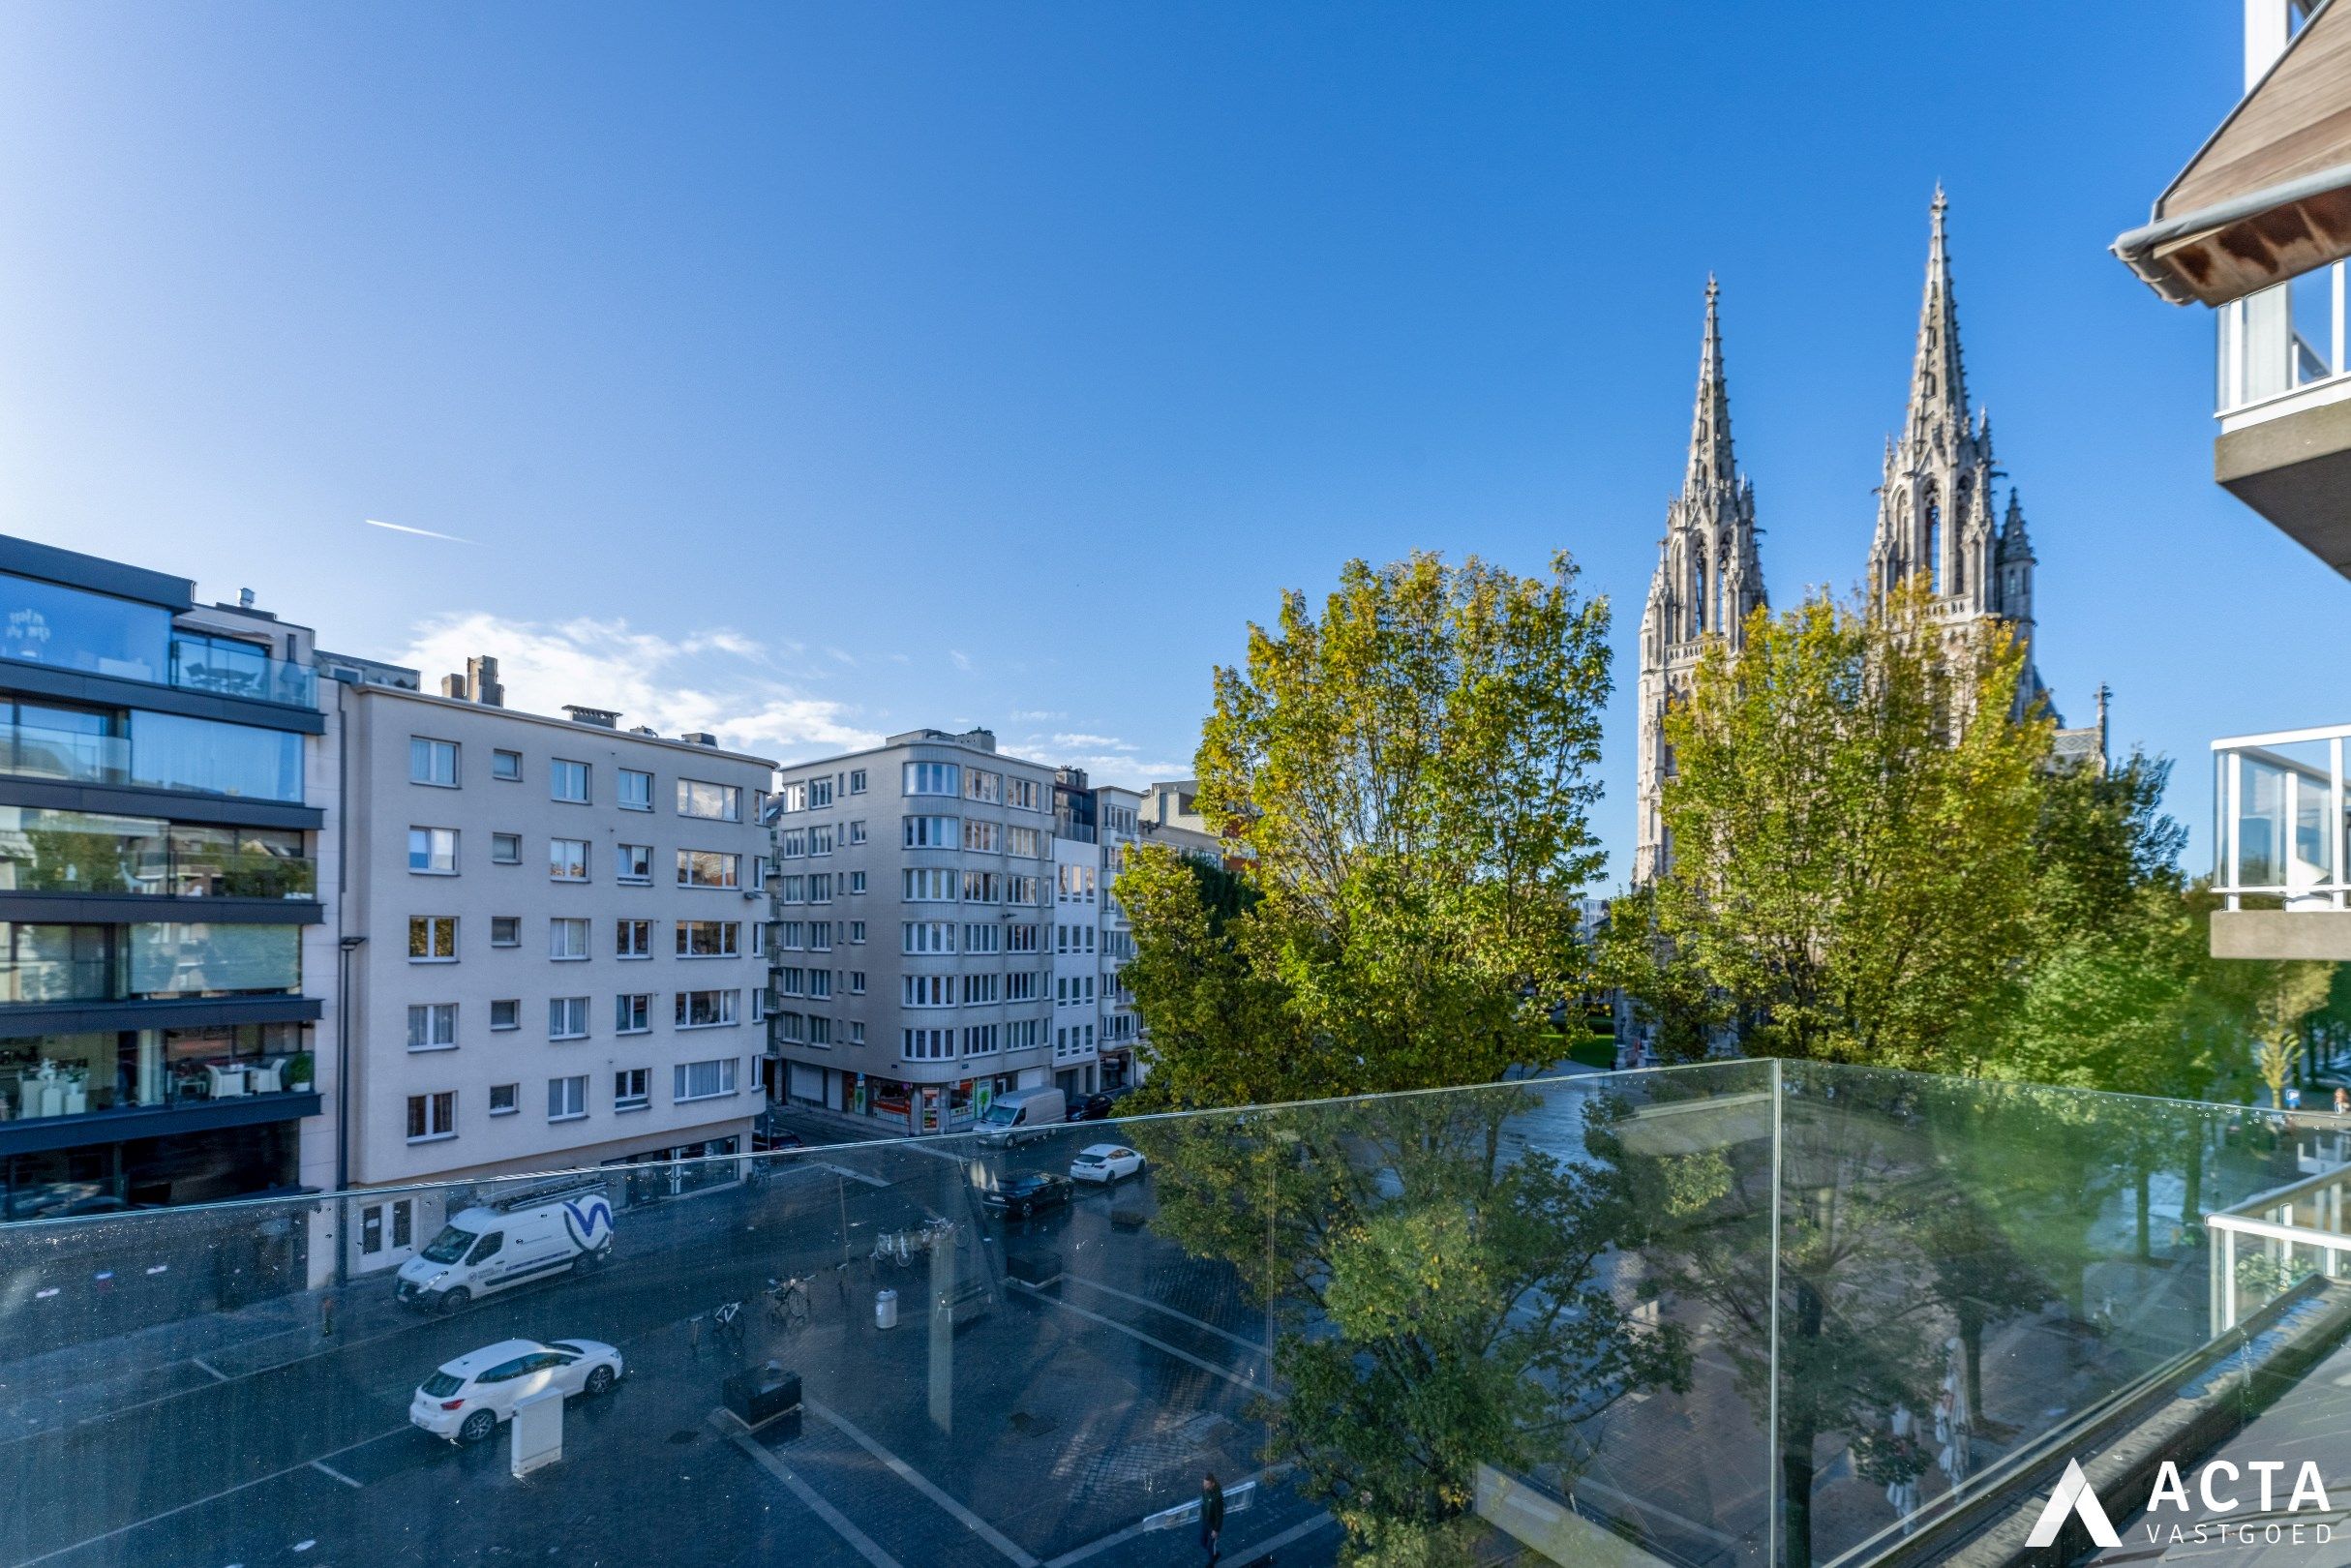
892 1247
726 1321
788 1303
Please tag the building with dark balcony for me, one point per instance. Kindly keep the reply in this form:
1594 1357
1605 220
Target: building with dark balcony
165 781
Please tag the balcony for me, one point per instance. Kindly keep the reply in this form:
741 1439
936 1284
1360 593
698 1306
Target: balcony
2280 840
225 667
2285 407
94 855
1737 1313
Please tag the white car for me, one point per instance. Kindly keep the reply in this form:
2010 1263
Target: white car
466 1399
1105 1163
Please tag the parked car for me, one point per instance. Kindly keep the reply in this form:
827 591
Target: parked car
1105 1163
1021 1115
467 1397
1018 1196
1092 1108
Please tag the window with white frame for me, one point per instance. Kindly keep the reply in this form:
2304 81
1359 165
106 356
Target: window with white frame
819 793
857 781
792 843
856 1032
1021 841
432 939
984 936
820 936
709 868
629 1089
929 832
792 889
927 936
1020 985
857 982
980 1039
1023 891
790 980
567 860
820 1031
982 988
633 864
432 1117
568 1017
857 832
759 939
982 837
567 939
433 762
1020 939
703 1080
926 990
718 803
983 887
792 1028
820 985
633 939
567 1098
791 936
433 852
1021 793
791 798
927 885
857 933
933 778
820 840
432 1026
633 1012
978 784
704 1009
857 882
758 1005
928 1044
709 939
567 781
636 790
1022 1033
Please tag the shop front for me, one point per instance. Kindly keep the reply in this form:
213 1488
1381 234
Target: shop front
651 1175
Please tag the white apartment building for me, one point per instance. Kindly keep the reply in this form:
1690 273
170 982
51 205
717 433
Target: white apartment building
558 957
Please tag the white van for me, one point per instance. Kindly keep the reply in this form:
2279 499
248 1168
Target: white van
1014 1118
511 1241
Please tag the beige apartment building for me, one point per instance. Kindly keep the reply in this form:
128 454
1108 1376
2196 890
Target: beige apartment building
555 946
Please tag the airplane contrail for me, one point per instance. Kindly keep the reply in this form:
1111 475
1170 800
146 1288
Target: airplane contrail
403 527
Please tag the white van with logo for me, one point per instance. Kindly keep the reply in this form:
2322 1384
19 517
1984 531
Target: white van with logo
1017 1117
493 1246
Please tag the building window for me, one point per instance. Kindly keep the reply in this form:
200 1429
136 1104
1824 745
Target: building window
982 888
567 860
857 933
503 1099
759 939
567 781
857 882
1023 891
982 837
1021 841
567 1099
856 832
857 982
505 930
791 981
704 1009
636 790
759 1006
980 1039
857 781
929 832
506 766
856 1032
927 885
634 865
432 939
792 844
567 939
982 988
703 1080
933 778
568 1017
506 1013
927 1044
791 936
633 939
1020 985
719 802
506 849
820 985
709 939
433 762
709 868
983 786
433 852
984 937
820 840
432 1026
926 990
927 936
433 1117
633 1014
629 1090
819 1032
791 798
1020 938
1021 793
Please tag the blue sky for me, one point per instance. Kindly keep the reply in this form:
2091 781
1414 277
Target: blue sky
813 371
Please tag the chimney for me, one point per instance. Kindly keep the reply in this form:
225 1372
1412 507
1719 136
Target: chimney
645 730
478 685
245 598
603 718
699 737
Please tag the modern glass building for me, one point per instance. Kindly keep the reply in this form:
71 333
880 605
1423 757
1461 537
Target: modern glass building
162 775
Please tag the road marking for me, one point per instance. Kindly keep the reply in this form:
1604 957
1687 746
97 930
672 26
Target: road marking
1225 1372
224 1492
326 1469
915 1478
216 1371
1249 1345
728 1422
1296 1533
1263 1478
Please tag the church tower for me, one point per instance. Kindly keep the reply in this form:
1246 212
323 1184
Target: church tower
1936 515
1708 578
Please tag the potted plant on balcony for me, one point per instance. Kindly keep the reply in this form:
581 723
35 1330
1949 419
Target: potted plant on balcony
298 1072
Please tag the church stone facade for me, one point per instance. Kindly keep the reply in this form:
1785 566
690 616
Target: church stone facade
1936 515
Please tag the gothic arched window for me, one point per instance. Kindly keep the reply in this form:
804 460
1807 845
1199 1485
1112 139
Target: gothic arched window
1934 544
1698 596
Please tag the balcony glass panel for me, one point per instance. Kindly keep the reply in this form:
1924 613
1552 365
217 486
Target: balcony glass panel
193 958
169 751
50 1075
240 668
71 629
68 745
2280 807
2282 338
79 852
55 963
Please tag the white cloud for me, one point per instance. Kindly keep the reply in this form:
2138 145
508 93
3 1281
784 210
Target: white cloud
421 534
713 679
1033 715
961 659
1104 742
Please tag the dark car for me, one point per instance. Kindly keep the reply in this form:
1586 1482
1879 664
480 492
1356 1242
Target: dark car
1093 1107
1019 1196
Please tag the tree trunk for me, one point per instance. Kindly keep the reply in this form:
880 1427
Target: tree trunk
2146 1240
1971 1346
1795 1496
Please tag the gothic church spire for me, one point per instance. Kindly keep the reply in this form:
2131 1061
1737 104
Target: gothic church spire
1710 459
1939 384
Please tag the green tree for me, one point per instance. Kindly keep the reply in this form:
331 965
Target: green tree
1407 779
1852 818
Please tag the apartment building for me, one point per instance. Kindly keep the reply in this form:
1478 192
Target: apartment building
167 785
2258 227
557 956
911 944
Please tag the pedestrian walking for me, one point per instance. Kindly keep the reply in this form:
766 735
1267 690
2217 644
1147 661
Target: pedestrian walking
2293 1098
1212 1517
2342 1101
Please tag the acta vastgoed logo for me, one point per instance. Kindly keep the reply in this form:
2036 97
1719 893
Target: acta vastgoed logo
2075 1498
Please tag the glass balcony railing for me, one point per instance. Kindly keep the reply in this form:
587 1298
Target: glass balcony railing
2281 342
231 668
2278 827
77 851
1729 1314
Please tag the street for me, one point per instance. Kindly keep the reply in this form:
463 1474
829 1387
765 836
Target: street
1059 1418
